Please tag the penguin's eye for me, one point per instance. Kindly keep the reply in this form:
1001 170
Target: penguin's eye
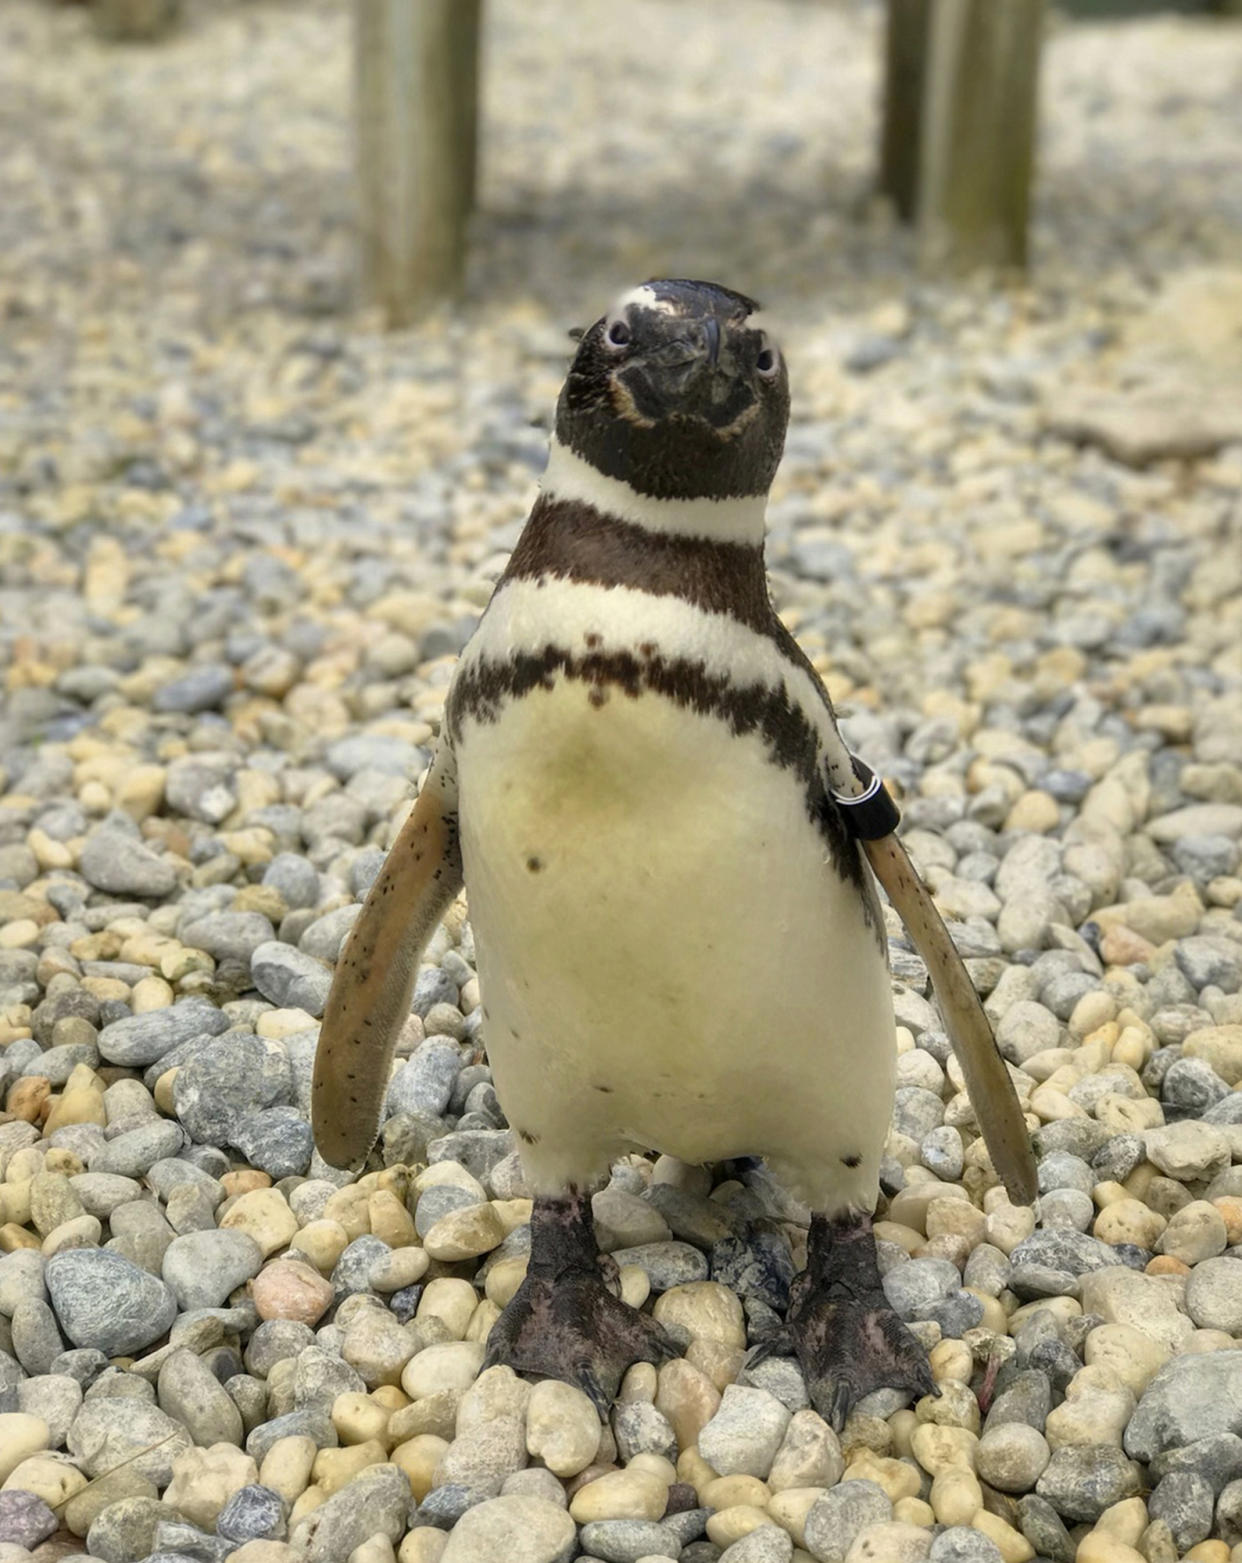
618 333
767 362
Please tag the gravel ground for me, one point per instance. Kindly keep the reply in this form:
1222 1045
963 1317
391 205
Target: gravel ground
243 536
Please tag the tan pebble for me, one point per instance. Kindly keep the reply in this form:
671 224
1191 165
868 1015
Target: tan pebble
1165 1264
1009 1225
450 1300
351 1206
1129 1221
50 1477
29 1098
504 1278
1208 1552
729 1525
424 1545
481 1321
21 1435
687 1397
322 1242
451 1365
940 1448
77 1106
418 1458
336 1468
951 1359
286 1466
790 1508
706 1310
721 1364
894 1232
889 1542
264 1215
390 1221
694 1469
1195 1232
163 1092
1126 1520
464 1234
244 1180
79 1232
955 1218
638 1382
205 1479
913 1511
1230 1208
898 1479
278 1023
313 1498
262 1550
512 1213
620 1495
358 1419
1099 1547
656 1464
399 1268
449 1172
956 1496
635 1285
726 1491
1134 1357
866 1433
1012 1544
150 993
376 1549
289 1289
562 1427
954 1406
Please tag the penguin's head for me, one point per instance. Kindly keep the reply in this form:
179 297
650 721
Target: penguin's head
677 392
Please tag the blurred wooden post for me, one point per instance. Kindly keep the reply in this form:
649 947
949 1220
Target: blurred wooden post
904 54
978 132
416 81
132 19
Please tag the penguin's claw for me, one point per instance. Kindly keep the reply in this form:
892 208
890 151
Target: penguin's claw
574 1329
847 1350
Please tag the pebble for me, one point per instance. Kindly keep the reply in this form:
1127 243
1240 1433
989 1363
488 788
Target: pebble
514 1529
105 1302
744 1435
203 1268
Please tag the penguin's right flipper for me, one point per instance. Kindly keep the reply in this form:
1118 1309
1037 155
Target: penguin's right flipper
370 995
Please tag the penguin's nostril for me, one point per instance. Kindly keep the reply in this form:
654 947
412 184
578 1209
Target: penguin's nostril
711 330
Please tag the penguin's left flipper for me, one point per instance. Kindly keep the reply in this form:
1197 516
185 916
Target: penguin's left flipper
370 995
847 1338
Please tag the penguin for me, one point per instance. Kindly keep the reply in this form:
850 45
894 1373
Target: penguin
641 783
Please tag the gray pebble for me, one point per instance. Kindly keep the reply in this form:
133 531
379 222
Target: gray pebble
276 1140
834 1519
222 1083
201 786
251 1512
625 1541
919 1284
193 1395
1080 1482
142 1039
201 688
106 1302
202 1268
227 935
290 978
327 934
35 1338
134 1153
667 1264
424 1083
639 1428
110 1429
1043 1528
302 1422
1184 1501
353 1268
374 1503
295 878
114 861
1218 1459
25 1520
56 1397
961 1544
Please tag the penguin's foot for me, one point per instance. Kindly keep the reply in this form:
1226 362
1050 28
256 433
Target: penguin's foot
847 1339
563 1321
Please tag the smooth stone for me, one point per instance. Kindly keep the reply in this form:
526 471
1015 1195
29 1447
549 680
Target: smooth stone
1080 1482
743 1437
202 1268
138 1040
191 1393
106 1302
835 1519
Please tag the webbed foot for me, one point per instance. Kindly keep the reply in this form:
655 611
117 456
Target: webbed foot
847 1339
563 1321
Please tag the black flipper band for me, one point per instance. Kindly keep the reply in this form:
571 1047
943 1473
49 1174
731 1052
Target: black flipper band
872 813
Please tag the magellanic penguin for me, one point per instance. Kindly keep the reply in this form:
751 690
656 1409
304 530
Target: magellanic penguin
680 944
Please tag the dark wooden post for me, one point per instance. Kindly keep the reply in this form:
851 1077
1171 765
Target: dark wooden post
416 82
124 20
901 136
978 132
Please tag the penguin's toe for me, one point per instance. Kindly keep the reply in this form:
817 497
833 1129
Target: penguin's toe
573 1328
847 1350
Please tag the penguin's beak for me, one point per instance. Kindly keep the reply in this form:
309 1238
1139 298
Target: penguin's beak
695 372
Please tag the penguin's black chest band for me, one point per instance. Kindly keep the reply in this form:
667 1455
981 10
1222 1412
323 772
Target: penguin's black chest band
872 813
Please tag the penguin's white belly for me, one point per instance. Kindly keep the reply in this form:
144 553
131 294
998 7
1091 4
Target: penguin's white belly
667 959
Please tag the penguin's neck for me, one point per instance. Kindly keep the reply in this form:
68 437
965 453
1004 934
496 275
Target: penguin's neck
599 532
571 479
